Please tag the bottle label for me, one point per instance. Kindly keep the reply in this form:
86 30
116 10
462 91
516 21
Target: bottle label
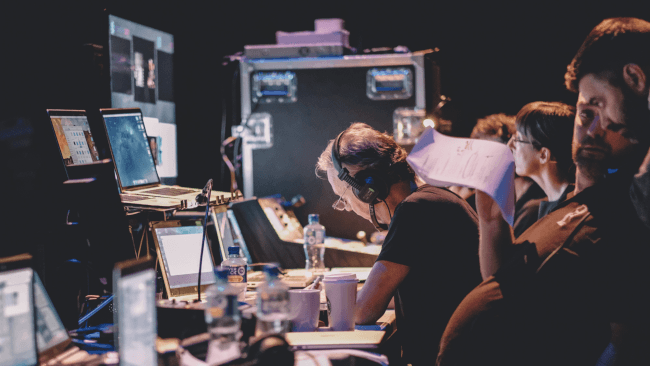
314 237
237 274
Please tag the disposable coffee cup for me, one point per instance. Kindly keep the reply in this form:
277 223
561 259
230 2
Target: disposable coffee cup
341 293
305 309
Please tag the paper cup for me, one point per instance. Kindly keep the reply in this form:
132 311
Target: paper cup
305 309
341 293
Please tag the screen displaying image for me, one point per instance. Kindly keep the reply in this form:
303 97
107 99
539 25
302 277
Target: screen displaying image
180 248
141 66
130 146
136 294
75 140
17 346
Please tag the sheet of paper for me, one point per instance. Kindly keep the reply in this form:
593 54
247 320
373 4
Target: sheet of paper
485 165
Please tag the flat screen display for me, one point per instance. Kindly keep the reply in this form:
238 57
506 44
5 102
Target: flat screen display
130 146
180 248
17 345
141 67
75 140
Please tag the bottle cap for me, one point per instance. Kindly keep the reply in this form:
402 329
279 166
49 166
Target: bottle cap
233 250
272 270
312 218
221 273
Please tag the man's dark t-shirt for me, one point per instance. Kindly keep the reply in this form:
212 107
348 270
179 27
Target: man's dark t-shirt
435 233
578 269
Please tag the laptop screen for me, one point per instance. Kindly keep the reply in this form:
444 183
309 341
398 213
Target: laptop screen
180 248
130 147
50 331
136 317
75 140
17 346
230 235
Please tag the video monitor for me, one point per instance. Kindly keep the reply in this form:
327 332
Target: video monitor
141 68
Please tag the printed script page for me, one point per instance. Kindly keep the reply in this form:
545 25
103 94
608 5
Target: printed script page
485 165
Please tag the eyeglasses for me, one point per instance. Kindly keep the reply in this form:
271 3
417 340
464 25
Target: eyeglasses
341 204
515 139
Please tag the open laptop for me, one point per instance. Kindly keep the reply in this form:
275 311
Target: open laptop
55 347
81 158
17 335
228 232
134 164
178 244
358 339
134 286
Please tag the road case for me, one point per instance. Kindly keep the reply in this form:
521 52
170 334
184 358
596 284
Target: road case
292 107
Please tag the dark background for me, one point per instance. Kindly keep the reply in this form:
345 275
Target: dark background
494 58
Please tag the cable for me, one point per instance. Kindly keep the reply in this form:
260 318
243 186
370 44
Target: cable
98 308
205 220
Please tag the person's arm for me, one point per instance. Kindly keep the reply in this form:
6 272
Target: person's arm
495 235
376 293
630 344
640 191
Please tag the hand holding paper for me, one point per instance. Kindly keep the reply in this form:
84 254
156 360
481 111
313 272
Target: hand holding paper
485 165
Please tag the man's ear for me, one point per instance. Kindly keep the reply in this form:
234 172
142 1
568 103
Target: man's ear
635 78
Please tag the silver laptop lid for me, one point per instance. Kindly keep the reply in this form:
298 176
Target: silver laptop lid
179 246
129 145
17 338
134 285
51 336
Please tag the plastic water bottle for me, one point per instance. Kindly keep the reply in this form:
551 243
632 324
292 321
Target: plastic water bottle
273 309
314 246
222 309
237 275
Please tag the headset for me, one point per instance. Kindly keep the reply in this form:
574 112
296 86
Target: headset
369 185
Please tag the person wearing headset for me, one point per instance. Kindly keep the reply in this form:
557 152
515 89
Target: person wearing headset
429 259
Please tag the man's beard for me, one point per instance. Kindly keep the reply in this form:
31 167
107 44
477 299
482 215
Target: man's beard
636 116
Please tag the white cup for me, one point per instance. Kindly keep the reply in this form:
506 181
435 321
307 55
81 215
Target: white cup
341 293
305 309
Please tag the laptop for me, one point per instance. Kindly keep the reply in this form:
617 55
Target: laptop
17 335
81 158
358 339
134 164
134 286
54 345
228 232
178 244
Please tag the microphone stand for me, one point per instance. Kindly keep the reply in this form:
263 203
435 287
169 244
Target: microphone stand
208 186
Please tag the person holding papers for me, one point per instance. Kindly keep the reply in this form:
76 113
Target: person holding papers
541 147
429 259
579 277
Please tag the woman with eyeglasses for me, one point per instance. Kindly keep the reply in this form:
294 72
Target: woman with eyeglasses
542 149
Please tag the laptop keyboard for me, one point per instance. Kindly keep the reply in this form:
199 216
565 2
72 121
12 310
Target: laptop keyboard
128 198
170 191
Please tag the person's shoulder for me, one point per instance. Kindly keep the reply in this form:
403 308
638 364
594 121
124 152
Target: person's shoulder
438 199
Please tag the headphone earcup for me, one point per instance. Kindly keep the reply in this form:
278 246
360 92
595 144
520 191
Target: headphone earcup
374 186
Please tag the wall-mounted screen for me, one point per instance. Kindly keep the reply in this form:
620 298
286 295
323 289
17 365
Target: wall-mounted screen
141 64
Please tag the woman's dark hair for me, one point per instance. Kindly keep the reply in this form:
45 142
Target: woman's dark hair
550 125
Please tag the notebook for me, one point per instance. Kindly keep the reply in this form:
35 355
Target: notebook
17 335
81 158
229 233
178 244
55 347
134 164
358 339
134 286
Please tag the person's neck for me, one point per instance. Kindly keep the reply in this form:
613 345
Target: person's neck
552 185
398 193
521 186
583 181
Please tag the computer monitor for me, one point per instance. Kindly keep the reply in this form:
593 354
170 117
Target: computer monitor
75 140
141 67
127 138
17 331
134 286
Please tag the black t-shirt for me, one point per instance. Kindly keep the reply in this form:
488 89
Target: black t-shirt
579 268
526 208
435 233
